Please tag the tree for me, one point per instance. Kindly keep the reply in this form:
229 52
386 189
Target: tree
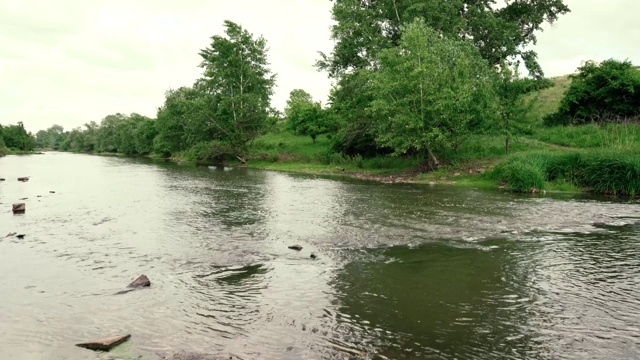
304 116
600 92
17 138
500 30
106 136
50 138
430 92
237 76
514 107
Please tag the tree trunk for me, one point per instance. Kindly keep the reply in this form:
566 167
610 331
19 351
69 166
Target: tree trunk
242 160
433 161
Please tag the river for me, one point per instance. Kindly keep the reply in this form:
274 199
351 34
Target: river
402 271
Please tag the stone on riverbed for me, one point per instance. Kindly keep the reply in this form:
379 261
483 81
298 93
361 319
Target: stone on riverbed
19 208
141 281
105 344
295 247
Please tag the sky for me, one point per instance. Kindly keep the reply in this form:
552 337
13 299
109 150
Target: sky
69 62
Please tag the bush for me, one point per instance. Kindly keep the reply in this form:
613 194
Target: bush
208 151
605 92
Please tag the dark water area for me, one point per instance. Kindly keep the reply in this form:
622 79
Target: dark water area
402 271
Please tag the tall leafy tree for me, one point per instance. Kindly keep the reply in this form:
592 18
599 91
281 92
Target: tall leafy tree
237 76
305 116
16 137
502 30
430 92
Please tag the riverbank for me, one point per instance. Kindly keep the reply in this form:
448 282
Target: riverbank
591 158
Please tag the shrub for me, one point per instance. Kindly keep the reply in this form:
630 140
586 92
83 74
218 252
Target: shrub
609 91
601 171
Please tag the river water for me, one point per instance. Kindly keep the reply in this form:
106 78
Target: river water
402 271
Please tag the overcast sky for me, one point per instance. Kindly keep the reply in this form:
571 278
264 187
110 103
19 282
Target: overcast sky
69 62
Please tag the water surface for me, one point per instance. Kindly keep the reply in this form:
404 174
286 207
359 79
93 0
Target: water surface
403 271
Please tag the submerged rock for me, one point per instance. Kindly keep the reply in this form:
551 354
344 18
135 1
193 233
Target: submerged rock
105 344
2 179
19 208
52 192
295 247
313 256
11 234
141 281
23 179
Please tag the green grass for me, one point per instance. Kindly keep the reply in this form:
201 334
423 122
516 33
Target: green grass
597 170
548 100
289 152
609 136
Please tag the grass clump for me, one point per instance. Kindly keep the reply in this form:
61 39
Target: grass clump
600 171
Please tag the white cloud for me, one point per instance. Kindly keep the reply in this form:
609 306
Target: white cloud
73 61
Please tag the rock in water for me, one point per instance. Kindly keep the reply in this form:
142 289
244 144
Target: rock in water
19 208
1 179
141 281
11 234
20 236
52 192
313 256
295 247
104 344
23 179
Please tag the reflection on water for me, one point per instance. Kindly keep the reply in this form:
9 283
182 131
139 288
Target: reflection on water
403 272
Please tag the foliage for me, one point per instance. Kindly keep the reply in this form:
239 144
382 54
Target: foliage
430 92
604 92
349 100
499 31
15 137
306 117
514 106
50 138
237 76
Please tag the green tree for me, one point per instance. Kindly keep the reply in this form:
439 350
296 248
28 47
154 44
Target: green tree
600 92
50 138
237 76
106 136
514 106
500 30
304 116
17 138
182 121
430 92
